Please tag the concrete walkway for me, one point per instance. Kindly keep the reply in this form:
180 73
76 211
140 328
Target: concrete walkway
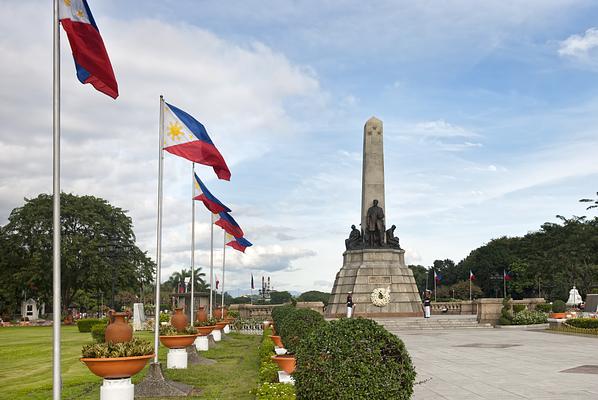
497 364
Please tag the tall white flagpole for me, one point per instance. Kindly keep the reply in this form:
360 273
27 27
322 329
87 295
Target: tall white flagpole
223 264
159 233
211 264
434 286
56 292
469 285
192 241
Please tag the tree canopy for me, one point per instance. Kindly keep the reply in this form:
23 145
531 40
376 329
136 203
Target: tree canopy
89 225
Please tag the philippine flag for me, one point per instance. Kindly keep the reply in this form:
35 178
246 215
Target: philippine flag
471 276
91 58
506 275
239 244
186 137
226 222
203 194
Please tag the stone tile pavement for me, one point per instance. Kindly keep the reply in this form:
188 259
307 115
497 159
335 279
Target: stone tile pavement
501 364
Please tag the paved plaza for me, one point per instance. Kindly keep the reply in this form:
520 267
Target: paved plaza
497 364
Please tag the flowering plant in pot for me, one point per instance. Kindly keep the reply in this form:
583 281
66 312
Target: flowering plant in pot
205 327
558 309
117 360
177 339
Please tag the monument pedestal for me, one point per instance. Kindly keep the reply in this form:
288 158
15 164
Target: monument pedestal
367 269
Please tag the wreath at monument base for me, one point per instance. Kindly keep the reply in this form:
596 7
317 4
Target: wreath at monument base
380 297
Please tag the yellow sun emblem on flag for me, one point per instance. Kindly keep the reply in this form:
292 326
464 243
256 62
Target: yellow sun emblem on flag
175 131
67 2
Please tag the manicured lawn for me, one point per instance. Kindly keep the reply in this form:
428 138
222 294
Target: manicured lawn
26 366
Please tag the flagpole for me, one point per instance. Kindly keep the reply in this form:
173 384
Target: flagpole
435 280
504 283
211 263
159 233
192 241
469 285
223 264
56 290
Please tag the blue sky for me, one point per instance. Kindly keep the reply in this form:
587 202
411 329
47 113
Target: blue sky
489 111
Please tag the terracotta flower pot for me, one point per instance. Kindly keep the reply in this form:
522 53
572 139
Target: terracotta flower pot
286 362
113 368
201 315
179 320
177 341
118 331
220 325
218 313
557 315
205 330
276 340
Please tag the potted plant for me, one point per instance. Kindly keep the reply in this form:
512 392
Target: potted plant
558 309
117 360
204 328
285 362
277 341
177 339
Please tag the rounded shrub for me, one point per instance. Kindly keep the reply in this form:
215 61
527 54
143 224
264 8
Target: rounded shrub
544 307
298 324
559 306
280 313
98 332
353 359
517 308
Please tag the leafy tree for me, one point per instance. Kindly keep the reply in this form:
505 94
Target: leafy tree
178 278
280 297
459 290
87 224
314 295
420 273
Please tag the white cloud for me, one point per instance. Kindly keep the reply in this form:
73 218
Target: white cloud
580 47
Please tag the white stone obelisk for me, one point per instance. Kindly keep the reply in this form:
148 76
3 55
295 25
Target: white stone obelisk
372 178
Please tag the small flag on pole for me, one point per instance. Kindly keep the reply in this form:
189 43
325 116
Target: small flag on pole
186 137
91 58
506 275
208 199
252 285
217 282
437 277
471 276
228 223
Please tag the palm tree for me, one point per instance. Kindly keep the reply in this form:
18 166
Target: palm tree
177 279
595 201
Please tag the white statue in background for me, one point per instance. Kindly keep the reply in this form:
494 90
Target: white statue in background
574 297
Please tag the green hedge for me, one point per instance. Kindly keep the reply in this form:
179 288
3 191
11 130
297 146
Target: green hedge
98 332
85 324
527 317
298 324
269 388
353 359
584 323
279 314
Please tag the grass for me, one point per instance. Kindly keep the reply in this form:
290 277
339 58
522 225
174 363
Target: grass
26 366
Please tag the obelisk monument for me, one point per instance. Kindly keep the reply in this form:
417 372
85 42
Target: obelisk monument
374 269
372 179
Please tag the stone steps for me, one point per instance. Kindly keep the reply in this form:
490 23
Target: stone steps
395 325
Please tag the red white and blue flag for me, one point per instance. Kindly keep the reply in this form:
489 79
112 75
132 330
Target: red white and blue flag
437 277
506 275
202 194
91 58
228 223
186 137
239 244
471 276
